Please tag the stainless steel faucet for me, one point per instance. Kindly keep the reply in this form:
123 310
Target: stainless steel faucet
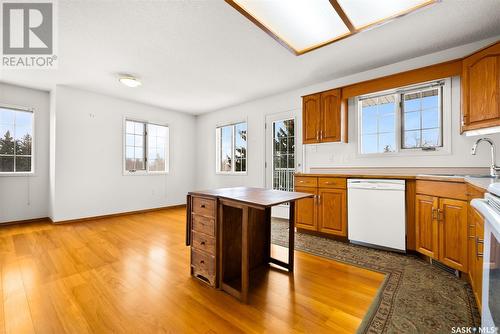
493 167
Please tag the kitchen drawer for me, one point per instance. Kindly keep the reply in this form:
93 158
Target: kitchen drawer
203 242
332 182
304 181
203 224
203 206
203 263
455 190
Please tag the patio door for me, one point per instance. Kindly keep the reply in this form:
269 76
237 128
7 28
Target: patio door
281 155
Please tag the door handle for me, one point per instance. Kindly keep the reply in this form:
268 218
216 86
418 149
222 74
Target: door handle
439 215
479 241
434 214
317 135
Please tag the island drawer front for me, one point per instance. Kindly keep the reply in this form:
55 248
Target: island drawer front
332 182
203 242
202 263
203 224
203 206
303 181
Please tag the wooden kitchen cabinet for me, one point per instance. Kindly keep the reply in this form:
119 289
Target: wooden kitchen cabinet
452 217
321 117
441 223
332 207
327 212
330 116
481 89
476 238
305 210
426 226
311 118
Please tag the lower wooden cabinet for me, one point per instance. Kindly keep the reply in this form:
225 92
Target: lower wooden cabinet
476 235
452 217
327 211
306 215
441 230
332 207
426 228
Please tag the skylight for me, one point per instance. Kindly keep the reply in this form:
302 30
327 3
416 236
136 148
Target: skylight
304 25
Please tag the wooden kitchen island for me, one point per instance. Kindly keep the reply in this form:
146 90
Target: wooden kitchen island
229 231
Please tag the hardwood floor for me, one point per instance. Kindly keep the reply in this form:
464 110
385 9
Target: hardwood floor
131 274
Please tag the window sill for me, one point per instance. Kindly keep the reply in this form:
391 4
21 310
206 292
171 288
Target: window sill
232 173
406 153
144 173
19 174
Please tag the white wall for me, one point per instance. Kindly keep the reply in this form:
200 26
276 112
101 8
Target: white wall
334 154
26 197
88 161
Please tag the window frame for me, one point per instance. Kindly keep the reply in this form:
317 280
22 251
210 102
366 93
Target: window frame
218 144
446 120
145 171
33 142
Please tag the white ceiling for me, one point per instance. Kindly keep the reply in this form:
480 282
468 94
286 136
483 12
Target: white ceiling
199 56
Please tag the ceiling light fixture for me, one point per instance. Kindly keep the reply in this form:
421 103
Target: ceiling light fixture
129 80
305 25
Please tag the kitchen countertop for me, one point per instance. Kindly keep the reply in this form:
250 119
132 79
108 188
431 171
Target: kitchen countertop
458 174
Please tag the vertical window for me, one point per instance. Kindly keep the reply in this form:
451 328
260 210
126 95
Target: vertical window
16 141
283 154
232 148
421 119
378 131
146 147
135 157
157 140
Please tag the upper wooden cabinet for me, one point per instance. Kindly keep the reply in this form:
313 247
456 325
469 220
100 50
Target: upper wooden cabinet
321 116
481 89
311 118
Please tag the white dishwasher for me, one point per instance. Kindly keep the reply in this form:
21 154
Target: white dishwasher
376 213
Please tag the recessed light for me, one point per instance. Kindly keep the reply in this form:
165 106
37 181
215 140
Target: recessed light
129 80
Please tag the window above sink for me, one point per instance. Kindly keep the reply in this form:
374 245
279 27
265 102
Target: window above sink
413 120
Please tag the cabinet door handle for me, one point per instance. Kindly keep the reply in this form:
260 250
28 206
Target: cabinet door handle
202 243
434 214
479 241
439 214
203 206
317 135
321 135
319 199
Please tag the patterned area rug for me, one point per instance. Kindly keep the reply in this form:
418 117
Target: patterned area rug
416 297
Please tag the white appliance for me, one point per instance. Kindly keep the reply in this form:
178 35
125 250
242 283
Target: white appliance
376 213
489 207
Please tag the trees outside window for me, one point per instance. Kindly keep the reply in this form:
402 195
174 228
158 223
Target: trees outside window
16 141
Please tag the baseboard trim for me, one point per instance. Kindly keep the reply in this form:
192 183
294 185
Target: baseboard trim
27 221
126 213
119 214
